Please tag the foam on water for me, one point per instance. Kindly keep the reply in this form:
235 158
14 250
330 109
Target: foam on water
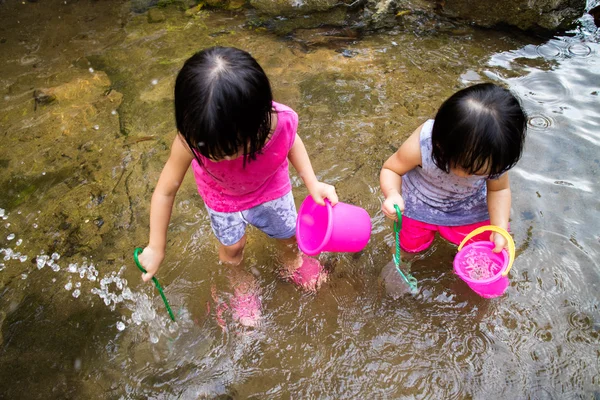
135 308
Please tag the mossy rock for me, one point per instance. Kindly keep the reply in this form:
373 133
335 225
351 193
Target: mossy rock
331 18
225 4
524 14
275 8
155 16
180 4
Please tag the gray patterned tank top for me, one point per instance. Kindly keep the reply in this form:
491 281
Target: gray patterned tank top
436 197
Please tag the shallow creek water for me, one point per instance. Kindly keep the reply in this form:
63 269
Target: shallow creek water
80 159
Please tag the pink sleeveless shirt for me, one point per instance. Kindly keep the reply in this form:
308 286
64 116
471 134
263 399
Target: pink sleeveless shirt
228 186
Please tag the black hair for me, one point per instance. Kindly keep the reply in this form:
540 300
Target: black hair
223 103
479 128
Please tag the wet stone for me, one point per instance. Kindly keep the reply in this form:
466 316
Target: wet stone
527 15
286 7
155 16
43 96
347 53
190 12
216 3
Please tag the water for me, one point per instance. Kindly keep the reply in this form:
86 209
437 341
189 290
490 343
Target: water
79 170
479 265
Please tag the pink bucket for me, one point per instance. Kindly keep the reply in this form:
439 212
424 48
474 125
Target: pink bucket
490 278
339 228
493 286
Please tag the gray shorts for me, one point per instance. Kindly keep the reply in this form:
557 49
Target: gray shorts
276 218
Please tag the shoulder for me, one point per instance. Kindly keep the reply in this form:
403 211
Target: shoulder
421 136
426 129
410 150
420 143
286 117
285 110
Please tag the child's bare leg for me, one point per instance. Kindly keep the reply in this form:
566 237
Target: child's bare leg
289 252
232 254
245 303
304 271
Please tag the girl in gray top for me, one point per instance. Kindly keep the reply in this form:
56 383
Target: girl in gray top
450 176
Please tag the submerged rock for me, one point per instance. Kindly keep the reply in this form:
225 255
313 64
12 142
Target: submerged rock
141 6
226 4
43 97
325 35
294 7
216 3
155 15
331 19
524 14
547 15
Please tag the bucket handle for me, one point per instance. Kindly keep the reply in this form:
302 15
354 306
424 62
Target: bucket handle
497 229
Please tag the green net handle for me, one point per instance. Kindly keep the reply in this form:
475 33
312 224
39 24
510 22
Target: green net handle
136 252
397 228
410 280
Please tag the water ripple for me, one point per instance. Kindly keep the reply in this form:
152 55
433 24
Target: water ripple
445 381
539 121
549 50
184 206
545 88
580 50
579 320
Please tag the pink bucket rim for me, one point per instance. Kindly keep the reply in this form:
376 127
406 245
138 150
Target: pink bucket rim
301 244
494 278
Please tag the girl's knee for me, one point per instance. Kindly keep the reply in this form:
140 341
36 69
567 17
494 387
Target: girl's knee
232 254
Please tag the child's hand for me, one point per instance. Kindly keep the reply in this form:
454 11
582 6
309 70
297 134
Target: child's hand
499 241
321 191
388 205
150 259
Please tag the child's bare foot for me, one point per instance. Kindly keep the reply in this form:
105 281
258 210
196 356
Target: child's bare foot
246 304
308 273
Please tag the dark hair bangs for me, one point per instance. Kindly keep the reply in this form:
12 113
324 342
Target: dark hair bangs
482 156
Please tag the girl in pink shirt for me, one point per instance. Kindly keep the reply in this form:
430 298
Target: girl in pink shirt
238 141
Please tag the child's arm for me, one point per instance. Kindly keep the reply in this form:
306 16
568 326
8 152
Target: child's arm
406 158
498 200
319 191
162 205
